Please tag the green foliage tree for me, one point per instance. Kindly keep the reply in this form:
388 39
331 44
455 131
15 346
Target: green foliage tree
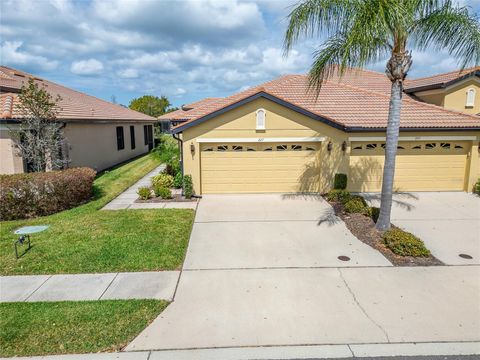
363 32
38 137
151 105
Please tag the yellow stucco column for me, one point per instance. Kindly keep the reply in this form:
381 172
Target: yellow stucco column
473 167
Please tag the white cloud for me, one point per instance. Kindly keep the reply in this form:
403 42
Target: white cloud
128 73
86 67
12 54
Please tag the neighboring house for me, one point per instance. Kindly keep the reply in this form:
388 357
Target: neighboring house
99 134
454 90
278 137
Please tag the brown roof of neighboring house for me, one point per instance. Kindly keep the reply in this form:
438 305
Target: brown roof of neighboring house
74 105
357 101
440 80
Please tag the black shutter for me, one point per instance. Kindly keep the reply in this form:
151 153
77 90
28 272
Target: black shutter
145 134
132 136
120 139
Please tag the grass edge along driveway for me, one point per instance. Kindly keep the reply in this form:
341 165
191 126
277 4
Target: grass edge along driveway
88 240
67 327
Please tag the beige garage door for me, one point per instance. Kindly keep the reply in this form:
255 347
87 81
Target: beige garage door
420 166
259 168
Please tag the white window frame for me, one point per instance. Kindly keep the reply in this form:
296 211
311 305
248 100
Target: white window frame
470 97
260 123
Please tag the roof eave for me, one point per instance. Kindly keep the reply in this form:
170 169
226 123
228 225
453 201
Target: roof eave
260 94
411 129
442 85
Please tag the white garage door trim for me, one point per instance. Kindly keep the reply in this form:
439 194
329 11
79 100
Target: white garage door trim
259 140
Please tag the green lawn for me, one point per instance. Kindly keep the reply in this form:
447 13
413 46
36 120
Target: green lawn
73 326
85 239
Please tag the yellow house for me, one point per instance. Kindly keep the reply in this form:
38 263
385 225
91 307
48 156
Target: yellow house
279 137
453 90
98 134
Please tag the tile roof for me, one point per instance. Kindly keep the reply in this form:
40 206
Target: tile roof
439 80
360 99
74 106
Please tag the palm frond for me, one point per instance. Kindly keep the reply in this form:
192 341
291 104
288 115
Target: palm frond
452 28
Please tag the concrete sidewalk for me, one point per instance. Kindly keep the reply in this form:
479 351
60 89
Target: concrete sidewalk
126 200
137 285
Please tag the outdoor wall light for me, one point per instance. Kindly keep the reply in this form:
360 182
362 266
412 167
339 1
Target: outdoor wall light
329 146
344 146
192 148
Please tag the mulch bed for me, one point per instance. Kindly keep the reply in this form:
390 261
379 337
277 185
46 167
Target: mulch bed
363 228
175 198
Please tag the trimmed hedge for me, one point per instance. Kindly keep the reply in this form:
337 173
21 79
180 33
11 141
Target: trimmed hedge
38 194
340 182
338 195
356 204
404 243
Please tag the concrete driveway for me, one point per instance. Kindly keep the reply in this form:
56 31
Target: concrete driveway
262 271
448 222
272 231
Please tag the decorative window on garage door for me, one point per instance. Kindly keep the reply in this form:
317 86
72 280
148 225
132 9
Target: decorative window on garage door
260 147
366 148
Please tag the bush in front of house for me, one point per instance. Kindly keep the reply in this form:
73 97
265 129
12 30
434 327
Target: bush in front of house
144 193
178 180
338 195
162 180
405 244
187 186
356 205
373 212
38 194
163 192
340 182
477 187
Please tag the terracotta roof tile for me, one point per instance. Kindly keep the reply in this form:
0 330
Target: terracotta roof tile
359 99
439 79
74 106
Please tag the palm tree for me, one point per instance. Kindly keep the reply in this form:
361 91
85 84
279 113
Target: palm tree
363 32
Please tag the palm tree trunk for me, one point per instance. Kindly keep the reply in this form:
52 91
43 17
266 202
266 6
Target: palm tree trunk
393 128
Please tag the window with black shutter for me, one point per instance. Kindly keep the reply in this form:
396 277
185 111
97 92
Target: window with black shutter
120 138
132 136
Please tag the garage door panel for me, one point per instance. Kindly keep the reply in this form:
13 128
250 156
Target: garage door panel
259 171
415 170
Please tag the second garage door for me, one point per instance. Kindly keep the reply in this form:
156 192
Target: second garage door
259 168
420 166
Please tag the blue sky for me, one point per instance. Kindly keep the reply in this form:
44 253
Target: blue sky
185 50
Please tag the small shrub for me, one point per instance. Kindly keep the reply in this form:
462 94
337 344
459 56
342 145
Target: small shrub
172 167
144 193
163 192
187 186
38 194
340 182
178 181
405 244
477 187
338 195
356 204
162 180
373 212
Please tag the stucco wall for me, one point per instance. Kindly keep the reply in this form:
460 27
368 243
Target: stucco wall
280 122
454 97
10 163
95 145
283 122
